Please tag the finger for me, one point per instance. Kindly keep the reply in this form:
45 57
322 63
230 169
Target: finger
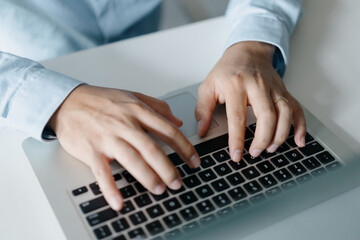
154 157
102 172
161 107
299 124
236 115
265 125
283 124
172 136
204 107
128 157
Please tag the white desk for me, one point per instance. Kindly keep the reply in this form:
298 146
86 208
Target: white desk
323 74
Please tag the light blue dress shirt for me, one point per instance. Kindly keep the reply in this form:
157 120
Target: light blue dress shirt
39 30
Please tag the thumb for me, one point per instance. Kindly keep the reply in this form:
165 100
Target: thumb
204 108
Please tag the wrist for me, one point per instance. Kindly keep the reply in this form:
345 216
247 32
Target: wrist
255 49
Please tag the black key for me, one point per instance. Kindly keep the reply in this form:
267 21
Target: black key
127 191
143 200
250 173
241 206
257 198
333 166
129 178
297 169
120 225
137 233
251 160
304 178
140 187
282 148
121 237
79 191
265 167
212 145
190 227
235 179
93 204
248 134
294 155
154 228
252 127
155 211
191 181
161 196
117 177
252 187
237 165
172 220
311 148
291 142
325 157
318 172
247 144
181 171
265 154
190 170
292 130
174 234
221 200
102 232
189 213
204 191
282 175
268 181
128 207
205 207
308 138
225 212
137 218
95 188
280 161
273 191
220 185
207 175
188 197
172 204
222 169
175 159
177 191
101 217
207 161
288 185
208 219
221 156
237 193
311 163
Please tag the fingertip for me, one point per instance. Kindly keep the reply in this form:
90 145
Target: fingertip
116 202
237 155
159 189
195 161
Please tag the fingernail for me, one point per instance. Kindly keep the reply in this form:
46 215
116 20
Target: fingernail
115 202
302 140
237 155
176 184
159 189
195 161
272 148
255 153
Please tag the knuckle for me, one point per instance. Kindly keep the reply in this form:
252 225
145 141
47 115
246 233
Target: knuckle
171 131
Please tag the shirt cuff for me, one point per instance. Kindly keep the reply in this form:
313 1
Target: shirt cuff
37 100
263 29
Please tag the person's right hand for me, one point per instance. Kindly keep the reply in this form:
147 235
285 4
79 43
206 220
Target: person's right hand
97 125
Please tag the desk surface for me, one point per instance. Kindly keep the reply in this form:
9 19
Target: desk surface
323 75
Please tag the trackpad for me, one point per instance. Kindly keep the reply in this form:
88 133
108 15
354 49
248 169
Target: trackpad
183 107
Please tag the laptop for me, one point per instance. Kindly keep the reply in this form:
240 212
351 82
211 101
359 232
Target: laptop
219 200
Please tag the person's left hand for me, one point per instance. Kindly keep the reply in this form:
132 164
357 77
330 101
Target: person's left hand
245 76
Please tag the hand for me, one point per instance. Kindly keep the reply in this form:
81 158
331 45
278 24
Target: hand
97 125
245 76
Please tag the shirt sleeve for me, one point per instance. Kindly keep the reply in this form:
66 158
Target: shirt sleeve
266 21
30 94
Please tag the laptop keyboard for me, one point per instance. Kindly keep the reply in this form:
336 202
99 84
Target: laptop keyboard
218 188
